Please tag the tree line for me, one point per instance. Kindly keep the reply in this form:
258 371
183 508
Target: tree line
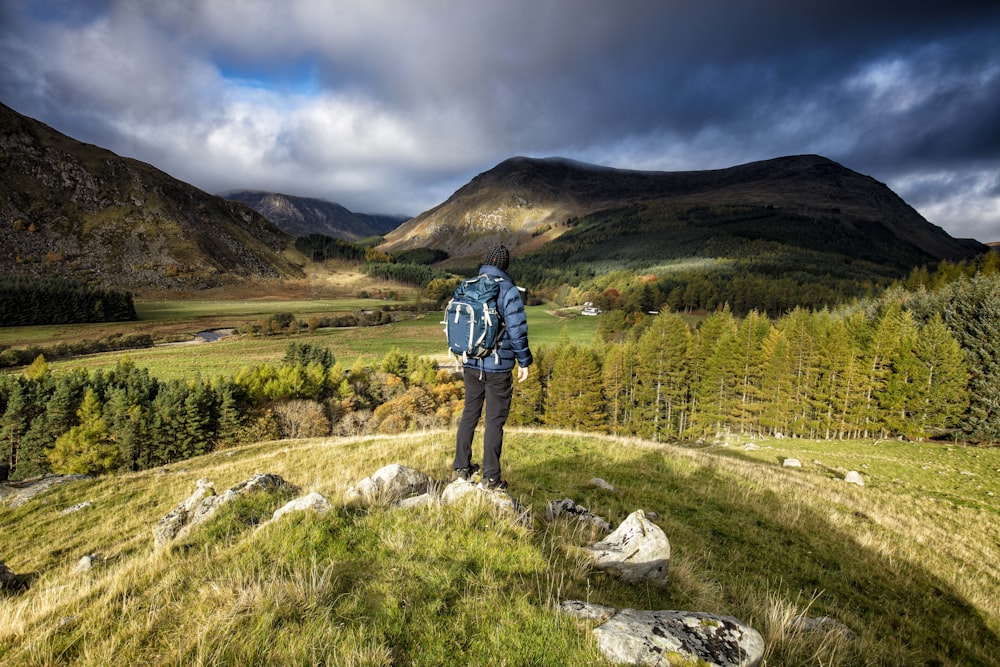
26 301
124 419
914 363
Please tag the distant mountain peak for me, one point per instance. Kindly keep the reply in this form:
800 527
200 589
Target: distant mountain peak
301 216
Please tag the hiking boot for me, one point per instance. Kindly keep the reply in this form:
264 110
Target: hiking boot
494 484
467 473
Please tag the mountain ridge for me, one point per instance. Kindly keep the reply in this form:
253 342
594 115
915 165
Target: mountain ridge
301 216
74 209
523 198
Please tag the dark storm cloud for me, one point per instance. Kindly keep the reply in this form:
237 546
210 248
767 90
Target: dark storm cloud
392 105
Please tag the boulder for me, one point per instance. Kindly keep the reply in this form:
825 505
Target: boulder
854 477
173 521
602 484
666 637
389 485
314 501
88 562
792 463
568 508
457 490
637 550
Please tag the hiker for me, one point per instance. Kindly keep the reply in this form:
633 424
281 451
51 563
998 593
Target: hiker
489 380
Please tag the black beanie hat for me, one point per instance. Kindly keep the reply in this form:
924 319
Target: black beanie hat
497 256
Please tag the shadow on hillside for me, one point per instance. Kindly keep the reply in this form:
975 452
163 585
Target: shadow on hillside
735 538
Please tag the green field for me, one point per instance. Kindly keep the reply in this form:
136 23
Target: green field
180 320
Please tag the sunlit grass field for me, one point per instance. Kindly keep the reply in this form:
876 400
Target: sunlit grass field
910 562
422 335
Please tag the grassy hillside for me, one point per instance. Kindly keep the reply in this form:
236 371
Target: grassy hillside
909 562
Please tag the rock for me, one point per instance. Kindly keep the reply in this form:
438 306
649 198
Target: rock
751 447
413 502
390 484
88 562
643 638
457 490
203 503
567 507
586 610
171 524
28 489
601 484
314 501
77 507
792 463
854 477
461 489
665 637
7 577
637 550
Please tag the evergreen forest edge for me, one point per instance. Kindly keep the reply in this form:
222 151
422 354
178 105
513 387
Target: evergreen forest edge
922 360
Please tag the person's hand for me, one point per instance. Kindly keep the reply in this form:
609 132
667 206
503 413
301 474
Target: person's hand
522 373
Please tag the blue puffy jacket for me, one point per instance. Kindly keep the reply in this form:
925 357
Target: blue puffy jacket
513 346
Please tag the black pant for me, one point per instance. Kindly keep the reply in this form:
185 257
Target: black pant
495 389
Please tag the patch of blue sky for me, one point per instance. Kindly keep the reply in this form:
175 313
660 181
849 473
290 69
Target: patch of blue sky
297 78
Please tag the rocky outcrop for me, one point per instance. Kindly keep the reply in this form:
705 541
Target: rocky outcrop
638 550
567 508
389 485
16 494
632 637
204 503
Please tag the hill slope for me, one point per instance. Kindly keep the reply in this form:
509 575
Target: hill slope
906 561
798 201
75 209
301 216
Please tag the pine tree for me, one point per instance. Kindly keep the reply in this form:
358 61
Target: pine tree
942 379
87 447
662 378
573 400
715 364
973 315
527 406
776 383
619 386
14 424
749 340
883 347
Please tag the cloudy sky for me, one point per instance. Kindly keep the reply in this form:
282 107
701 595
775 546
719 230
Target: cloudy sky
389 106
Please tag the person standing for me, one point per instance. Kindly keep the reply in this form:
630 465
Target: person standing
490 381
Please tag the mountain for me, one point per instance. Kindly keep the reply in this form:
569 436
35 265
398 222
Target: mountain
804 201
301 216
74 209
